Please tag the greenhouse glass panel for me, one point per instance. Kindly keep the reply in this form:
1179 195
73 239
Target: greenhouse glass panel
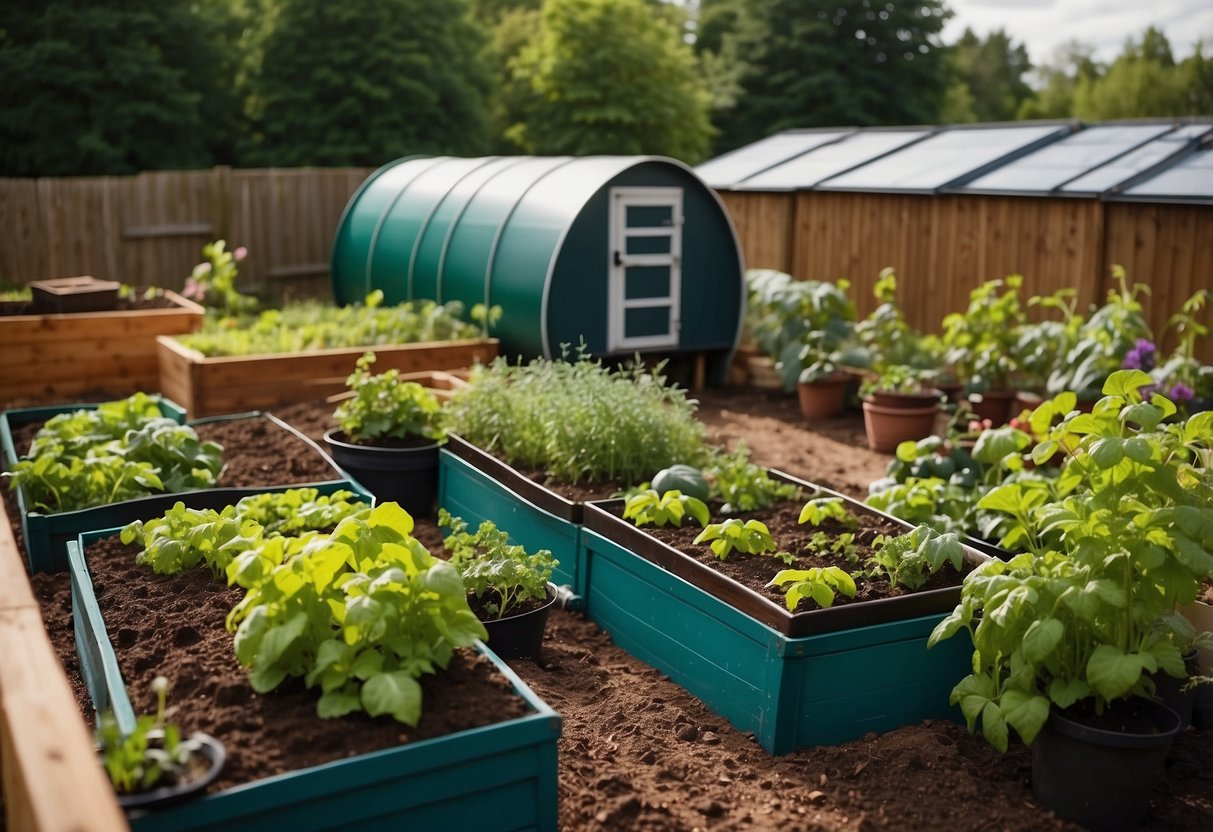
1108 176
1190 179
943 158
1055 164
732 167
819 164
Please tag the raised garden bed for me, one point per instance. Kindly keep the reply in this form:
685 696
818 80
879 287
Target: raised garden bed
290 457
206 386
60 356
462 761
795 679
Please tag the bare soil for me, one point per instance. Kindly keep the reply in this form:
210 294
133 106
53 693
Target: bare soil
638 752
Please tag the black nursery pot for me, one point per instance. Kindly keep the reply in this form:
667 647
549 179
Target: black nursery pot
212 754
1170 691
520 636
1102 777
408 476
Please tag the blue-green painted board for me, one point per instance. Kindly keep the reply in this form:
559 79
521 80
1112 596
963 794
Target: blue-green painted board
468 492
499 777
791 692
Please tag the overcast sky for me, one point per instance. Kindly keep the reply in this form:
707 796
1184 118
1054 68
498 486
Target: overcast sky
1043 25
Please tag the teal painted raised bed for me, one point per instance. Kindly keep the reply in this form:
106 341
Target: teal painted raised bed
497 777
47 535
477 486
814 678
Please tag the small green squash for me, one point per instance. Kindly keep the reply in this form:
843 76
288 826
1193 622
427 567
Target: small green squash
685 478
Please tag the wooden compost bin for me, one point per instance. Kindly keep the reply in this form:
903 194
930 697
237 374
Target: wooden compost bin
232 384
58 357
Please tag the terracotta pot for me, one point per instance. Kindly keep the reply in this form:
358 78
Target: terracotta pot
994 405
823 399
930 396
1025 400
950 389
887 427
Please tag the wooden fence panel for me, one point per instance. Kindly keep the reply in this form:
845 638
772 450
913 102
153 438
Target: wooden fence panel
764 227
23 256
163 221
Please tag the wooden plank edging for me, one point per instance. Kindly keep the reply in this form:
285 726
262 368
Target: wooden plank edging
51 779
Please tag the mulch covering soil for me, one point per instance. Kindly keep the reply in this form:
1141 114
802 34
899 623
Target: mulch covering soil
638 752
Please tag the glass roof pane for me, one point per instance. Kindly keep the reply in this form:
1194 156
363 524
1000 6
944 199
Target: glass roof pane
732 167
1108 176
1189 179
942 158
1054 164
822 163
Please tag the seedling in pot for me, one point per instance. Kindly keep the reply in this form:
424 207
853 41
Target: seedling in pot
501 576
385 408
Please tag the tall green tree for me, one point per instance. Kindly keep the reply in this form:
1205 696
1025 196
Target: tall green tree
347 82
994 71
839 62
1072 63
114 86
611 76
1142 82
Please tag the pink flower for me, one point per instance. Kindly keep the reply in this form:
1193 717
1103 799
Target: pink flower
193 289
240 253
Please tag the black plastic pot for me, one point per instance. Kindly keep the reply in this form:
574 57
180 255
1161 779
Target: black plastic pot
1169 690
214 755
1099 777
521 636
408 476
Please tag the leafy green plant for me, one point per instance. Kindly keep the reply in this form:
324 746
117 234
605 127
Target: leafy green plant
500 575
1088 612
886 336
752 537
839 545
909 560
311 325
119 451
821 584
152 755
980 342
897 378
648 508
819 509
298 510
360 613
213 281
384 407
742 485
577 420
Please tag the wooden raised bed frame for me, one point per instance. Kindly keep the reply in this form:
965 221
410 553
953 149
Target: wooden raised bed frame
232 384
59 357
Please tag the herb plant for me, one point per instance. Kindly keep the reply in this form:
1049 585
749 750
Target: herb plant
980 342
360 614
119 451
152 755
1087 612
838 545
821 584
752 537
742 485
501 576
384 407
909 560
648 508
577 420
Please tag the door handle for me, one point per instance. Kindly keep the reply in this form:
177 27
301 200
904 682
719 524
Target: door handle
618 258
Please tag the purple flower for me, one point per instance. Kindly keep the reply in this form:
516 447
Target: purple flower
1181 393
1140 357
1132 361
1143 346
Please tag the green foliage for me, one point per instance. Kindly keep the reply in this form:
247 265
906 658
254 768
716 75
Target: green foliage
152 755
806 65
838 545
898 378
114 87
612 77
820 584
499 574
361 614
119 451
742 485
992 71
889 340
819 509
1087 613
685 478
363 83
384 407
653 508
909 560
980 342
213 281
751 537
312 325
577 420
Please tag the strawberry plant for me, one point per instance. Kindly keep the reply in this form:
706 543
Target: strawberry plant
500 575
751 537
360 614
648 508
821 584
1088 612
119 451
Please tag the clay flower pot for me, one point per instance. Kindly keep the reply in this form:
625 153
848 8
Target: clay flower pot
888 426
823 399
994 405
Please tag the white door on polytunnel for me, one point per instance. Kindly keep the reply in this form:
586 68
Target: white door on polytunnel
645 268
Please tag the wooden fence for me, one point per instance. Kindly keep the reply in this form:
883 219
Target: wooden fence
149 229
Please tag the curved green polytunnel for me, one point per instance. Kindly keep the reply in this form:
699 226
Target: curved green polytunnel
528 234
